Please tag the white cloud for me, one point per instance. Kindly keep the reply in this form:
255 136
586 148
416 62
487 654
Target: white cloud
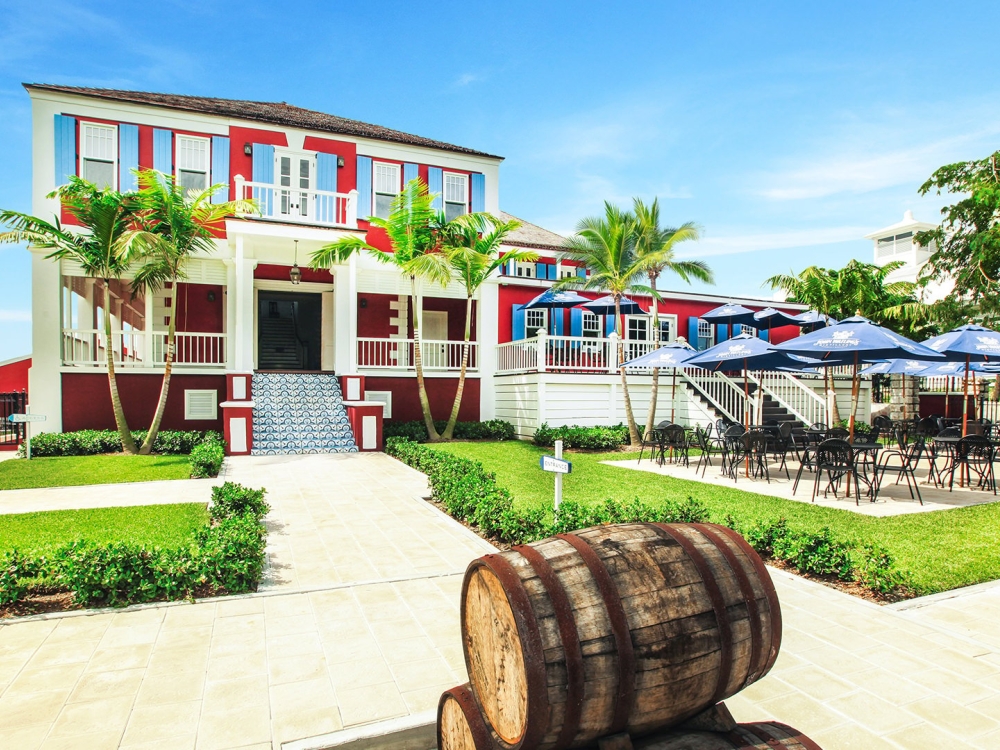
466 78
15 316
733 243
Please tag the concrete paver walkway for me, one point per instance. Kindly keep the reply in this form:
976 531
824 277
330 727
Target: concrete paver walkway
162 492
319 649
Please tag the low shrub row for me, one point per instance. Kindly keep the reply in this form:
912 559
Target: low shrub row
206 449
471 494
493 429
225 557
590 438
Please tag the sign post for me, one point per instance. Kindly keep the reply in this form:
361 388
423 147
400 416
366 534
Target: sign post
557 466
26 419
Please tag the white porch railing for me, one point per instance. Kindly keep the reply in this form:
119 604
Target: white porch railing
88 347
301 206
720 391
397 354
545 353
799 399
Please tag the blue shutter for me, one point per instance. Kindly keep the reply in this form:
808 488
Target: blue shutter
721 333
435 186
540 272
410 172
163 151
326 180
575 321
364 187
519 323
553 272
693 333
220 168
558 322
478 192
609 324
65 142
764 334
263 171
581 272
128 156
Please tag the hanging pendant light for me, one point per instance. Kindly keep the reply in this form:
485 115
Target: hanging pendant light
296 273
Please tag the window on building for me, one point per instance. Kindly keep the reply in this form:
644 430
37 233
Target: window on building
566 272
535 319
740 328
456 195
706 334
192 162
591 325
525 269
386 187
98 153
668 327
637 327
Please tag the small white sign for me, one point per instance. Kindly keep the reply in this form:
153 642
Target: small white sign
555 465
18 418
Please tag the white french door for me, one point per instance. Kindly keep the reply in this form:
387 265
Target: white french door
295 179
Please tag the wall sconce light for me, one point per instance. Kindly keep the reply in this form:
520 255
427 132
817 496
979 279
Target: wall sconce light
340 161
211 296
248 149
363 302
296 273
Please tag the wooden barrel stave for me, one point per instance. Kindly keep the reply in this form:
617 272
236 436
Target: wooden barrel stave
675 657
756 736
460 725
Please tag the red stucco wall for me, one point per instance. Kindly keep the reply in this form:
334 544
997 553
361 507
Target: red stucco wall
196 312
440 391
87 401
14 375
280 273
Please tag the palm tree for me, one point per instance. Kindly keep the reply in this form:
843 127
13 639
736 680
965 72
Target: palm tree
471 248
175 224
105 216
413 228
608 247
661 241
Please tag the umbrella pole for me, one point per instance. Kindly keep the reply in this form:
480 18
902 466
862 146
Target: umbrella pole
746 413
673 396
904 397
965 398
947 394
855 387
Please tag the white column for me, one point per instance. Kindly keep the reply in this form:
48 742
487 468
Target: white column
44 378
245 313
229 325
328 351
345 316
542 353
488 336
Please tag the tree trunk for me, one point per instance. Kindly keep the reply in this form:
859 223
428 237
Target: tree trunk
449 431
161 406
654 385
418 365
128 444
633 429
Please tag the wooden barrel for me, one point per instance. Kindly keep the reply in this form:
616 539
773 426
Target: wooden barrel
758 736
631 627
460 724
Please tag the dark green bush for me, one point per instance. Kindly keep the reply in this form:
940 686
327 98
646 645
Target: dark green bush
589 438
226 556
493 429
206 458
876 570
92 442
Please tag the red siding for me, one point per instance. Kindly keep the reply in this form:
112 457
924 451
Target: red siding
373 318
239 162
14 375
196 312
440 391
280 273
87 401
347 175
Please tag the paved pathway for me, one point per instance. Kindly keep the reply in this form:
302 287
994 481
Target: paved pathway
107 495
319 649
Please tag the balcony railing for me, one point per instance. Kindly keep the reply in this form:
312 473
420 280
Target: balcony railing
88 348
566 354
397 354
301 206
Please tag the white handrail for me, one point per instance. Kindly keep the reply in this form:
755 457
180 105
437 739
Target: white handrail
802 401
721 392
397 354
132 348
301 205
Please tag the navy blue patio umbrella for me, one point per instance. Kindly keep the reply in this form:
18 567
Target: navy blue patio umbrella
769 318
552 299
812 320
606 306
912 367
856 340
731 314
672 355
968 344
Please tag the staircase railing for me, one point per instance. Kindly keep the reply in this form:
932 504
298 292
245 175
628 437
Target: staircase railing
800 400
725 396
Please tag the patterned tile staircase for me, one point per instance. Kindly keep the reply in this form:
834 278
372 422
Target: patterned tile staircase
299 413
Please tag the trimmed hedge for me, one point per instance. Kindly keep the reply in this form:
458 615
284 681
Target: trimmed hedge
225 557
470 493
206 449
590 438
493 429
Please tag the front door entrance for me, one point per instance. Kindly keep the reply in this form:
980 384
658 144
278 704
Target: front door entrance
289 330
296 176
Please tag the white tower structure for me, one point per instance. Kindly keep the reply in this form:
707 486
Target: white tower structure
897 242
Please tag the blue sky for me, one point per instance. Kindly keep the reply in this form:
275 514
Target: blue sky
787 130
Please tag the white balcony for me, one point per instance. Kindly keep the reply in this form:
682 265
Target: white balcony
398 354
313 207
566 354
137 349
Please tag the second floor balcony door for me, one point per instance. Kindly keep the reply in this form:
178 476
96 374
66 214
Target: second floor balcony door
296 175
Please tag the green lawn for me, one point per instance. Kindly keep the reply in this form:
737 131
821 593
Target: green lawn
162 525
69 471
942 550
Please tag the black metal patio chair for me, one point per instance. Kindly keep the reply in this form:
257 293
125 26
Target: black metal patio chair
908 458
836 458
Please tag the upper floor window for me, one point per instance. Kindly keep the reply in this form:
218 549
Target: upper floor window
591 325
525 269
456 195
386 187
637 327
98 153
668 326
534 319
192 162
